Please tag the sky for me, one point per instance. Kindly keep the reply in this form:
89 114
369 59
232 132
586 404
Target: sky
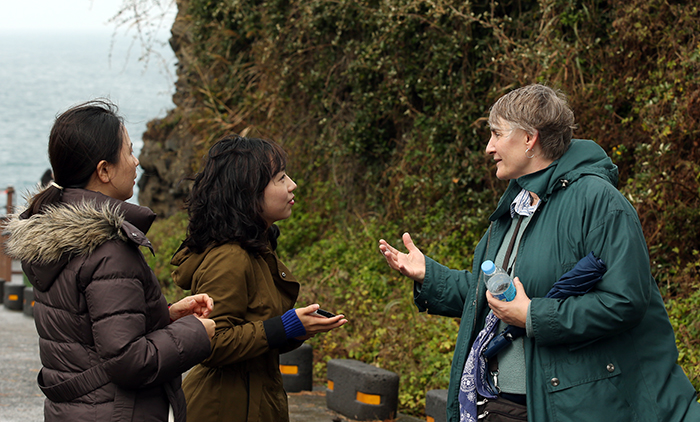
68 14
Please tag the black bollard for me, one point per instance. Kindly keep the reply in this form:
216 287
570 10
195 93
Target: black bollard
28 302
297 369
361 391
13 296
436 405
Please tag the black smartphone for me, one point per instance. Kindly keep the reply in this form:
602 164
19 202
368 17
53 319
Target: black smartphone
321 312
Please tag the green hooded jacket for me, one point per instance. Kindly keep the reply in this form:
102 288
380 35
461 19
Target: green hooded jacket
608 353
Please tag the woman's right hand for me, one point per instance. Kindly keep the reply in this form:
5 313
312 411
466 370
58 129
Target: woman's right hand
314 324
199 305
209 325
411 265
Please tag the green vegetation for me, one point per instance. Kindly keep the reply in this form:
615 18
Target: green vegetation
381 105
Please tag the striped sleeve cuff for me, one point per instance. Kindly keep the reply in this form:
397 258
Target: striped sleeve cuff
292 325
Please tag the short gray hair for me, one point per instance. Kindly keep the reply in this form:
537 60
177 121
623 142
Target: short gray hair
538 108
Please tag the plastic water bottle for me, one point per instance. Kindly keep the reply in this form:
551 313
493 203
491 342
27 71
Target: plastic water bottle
498 282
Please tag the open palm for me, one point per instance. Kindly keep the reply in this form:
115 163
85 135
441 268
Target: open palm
411 264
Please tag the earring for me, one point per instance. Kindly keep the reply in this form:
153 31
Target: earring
533 154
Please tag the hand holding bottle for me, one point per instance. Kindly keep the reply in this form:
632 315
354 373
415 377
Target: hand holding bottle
498 282
513 312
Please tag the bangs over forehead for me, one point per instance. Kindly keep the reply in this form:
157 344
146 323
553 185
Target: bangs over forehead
277 157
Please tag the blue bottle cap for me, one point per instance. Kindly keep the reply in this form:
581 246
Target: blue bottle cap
488 267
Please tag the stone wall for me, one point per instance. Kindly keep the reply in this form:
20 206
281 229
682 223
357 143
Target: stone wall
167 151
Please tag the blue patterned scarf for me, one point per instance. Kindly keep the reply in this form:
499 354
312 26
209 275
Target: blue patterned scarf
473 379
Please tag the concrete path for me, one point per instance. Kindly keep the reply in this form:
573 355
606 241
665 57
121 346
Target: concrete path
20 397
22 401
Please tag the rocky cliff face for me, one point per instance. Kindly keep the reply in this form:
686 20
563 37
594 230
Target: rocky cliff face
167 151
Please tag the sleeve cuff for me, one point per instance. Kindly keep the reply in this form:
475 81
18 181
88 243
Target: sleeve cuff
274 331
292 325
529 331
420 299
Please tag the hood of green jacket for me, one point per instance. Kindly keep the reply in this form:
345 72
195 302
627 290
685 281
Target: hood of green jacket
583 158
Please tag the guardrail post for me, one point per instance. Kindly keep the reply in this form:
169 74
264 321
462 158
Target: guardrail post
13 296
5 261
297 369
436 406
28 302
10 199
361 391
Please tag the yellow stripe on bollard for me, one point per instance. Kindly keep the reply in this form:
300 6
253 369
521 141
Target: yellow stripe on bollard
289 369
368 398
330 385
13 297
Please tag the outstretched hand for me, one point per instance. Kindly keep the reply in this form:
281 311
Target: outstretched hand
199 305
315 324
411 265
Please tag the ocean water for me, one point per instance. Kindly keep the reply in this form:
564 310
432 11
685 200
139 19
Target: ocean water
45 73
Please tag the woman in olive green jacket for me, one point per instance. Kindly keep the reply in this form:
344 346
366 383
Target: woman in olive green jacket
230 254
607 354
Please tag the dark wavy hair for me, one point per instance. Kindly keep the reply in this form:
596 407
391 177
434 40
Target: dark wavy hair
80 138
225 203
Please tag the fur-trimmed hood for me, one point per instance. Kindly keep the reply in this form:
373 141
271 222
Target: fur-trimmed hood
71 229
82 222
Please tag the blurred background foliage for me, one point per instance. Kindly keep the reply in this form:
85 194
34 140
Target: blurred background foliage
381 105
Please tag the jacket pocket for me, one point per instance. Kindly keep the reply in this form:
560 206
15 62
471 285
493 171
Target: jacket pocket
576 369
583 387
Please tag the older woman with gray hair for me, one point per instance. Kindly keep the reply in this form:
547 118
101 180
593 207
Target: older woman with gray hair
609 352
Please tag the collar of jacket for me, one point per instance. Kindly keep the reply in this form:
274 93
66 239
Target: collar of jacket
188 262
140 217
583 158
81 222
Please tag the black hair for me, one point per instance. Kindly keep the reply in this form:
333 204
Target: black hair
46 178
80 138
226 201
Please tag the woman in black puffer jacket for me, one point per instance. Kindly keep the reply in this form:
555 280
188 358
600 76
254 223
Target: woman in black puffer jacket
111 348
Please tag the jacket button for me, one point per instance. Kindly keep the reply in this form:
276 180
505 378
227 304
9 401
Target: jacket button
611 367
555 382
283 274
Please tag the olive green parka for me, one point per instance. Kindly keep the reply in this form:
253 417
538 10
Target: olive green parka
241 380
610 353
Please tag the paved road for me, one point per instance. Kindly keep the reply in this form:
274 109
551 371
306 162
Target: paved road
20 397
22 401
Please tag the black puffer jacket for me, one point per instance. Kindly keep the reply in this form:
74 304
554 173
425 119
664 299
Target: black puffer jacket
108 349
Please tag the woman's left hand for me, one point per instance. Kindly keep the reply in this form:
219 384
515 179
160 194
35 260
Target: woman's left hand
317 324
513 312
199 305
